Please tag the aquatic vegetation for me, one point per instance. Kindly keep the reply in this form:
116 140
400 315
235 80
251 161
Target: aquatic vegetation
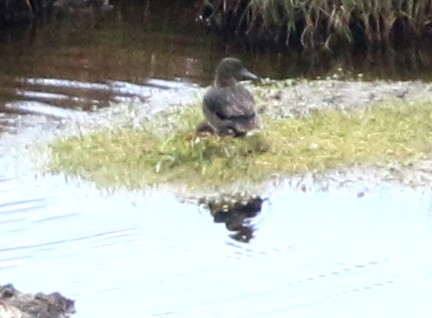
326 139
320 23
12 11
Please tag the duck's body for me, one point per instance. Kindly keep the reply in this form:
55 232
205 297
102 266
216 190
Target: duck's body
228 106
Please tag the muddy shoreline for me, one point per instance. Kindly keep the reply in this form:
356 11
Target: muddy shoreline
293 98
281 99
296 98
302 97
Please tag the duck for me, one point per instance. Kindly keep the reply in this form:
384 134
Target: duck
229 107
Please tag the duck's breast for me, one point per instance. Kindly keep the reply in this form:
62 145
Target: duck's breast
230 102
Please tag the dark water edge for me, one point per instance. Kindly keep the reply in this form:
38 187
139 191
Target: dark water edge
86 63
135 40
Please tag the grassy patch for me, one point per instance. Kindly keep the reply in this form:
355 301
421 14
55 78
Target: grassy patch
325 140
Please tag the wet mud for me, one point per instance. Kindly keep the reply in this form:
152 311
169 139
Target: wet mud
302 97
293 98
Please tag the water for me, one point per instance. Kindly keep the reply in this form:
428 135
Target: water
147 253
122 255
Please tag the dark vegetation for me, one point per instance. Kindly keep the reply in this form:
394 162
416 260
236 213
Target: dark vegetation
311 24
22 11
314 24
16 11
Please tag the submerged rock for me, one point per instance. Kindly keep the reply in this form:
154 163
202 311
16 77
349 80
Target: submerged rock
15 304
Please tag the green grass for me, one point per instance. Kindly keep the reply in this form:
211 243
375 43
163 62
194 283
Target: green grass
328 139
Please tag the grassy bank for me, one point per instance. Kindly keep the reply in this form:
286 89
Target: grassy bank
321 23
325 140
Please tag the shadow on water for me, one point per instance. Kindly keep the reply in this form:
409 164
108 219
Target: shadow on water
146 254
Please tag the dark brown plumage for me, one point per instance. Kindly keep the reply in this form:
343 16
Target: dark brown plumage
228 106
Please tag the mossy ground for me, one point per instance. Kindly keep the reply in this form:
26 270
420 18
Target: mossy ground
327 139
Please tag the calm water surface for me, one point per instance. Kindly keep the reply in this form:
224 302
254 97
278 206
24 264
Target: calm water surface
147 253
125 255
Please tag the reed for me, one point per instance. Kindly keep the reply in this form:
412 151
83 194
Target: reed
15 11
322 23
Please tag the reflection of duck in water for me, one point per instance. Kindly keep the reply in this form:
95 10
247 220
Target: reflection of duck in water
236 211
228 106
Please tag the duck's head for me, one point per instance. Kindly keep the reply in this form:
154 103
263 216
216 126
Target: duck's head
230 70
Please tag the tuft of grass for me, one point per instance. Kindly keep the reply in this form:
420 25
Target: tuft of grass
321 23
325 140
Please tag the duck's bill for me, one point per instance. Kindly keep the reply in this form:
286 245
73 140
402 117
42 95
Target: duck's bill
248 75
